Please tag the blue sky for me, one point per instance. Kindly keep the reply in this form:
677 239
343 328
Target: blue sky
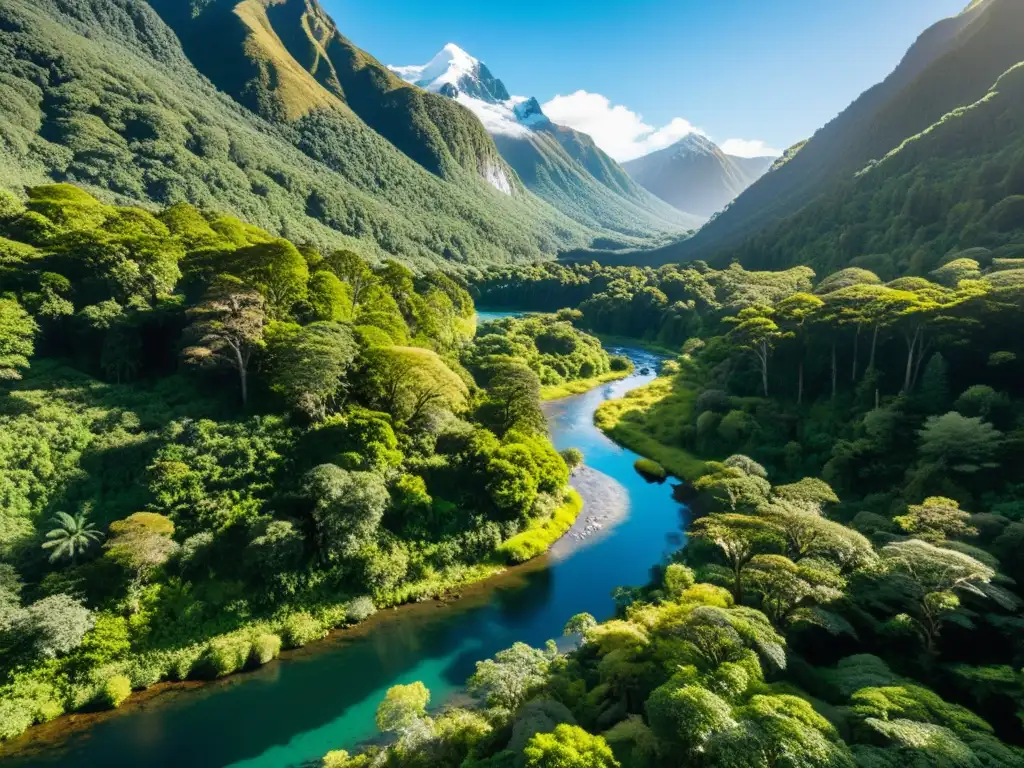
757 70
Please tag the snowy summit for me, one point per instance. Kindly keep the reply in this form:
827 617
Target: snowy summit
467 80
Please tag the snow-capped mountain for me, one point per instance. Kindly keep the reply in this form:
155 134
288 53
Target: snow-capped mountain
457 75
559 164
695 175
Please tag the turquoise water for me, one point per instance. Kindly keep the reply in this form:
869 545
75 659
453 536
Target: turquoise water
295 710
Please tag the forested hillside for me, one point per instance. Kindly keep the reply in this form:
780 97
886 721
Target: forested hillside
215 443
849 595
955 64
104 94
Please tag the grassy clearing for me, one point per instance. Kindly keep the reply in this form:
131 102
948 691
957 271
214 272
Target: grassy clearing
538 539
579 386
649 419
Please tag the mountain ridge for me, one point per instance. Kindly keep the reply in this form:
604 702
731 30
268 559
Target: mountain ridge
562 166
931 80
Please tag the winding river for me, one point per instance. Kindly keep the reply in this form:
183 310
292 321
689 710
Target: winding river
298 708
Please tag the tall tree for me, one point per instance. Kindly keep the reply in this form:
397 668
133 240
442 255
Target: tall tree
795 313
227 328
756 331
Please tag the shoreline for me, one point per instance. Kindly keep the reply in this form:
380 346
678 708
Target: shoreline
597 517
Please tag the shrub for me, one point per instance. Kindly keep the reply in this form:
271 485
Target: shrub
15 717
114 691
619 363
359 609
301 628
225 655
650 469
539 537
266 646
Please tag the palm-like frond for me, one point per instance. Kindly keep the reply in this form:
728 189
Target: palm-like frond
71 536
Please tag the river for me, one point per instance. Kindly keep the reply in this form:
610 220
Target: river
296 709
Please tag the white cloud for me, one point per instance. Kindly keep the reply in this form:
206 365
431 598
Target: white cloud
616 129
749 148
624 135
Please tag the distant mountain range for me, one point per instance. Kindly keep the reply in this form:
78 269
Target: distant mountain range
562 166
695 175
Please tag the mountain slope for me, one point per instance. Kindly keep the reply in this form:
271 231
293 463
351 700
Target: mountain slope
954 191
106 94
953 63
561 165
695 176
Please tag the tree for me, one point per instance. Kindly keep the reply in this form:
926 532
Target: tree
960 443
510 677
779 730
513 399
787 589
402 707
685 717
329 298
573 458
354 270
72 536
17 339
310 365
410 383
579 624
739 538
227 328
927 579
568 746
794 313
936 519
54 625
277 270
348 508
141 543
757 332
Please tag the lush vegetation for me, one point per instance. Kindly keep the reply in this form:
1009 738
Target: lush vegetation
566 360
215 444
107 95
777 637
868 618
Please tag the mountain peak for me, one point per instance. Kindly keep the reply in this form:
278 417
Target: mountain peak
453 71
696 143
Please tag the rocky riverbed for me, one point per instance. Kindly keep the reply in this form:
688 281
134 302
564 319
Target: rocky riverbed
605 504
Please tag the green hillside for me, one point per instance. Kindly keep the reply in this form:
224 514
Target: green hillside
103 94
952 65
557 177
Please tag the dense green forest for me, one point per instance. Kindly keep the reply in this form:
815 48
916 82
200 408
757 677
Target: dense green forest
848 595
103 95
214 443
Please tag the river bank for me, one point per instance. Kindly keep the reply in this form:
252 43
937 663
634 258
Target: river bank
323 697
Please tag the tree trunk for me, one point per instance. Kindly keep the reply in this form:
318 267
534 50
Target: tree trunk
834 370
911 347
243 375
856 353
874 346
800 385
764 368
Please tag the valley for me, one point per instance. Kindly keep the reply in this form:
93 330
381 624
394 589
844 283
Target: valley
370 415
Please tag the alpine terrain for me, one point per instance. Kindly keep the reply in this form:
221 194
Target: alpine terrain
561 165
695 175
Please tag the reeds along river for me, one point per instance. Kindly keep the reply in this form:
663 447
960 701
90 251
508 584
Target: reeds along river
295 710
